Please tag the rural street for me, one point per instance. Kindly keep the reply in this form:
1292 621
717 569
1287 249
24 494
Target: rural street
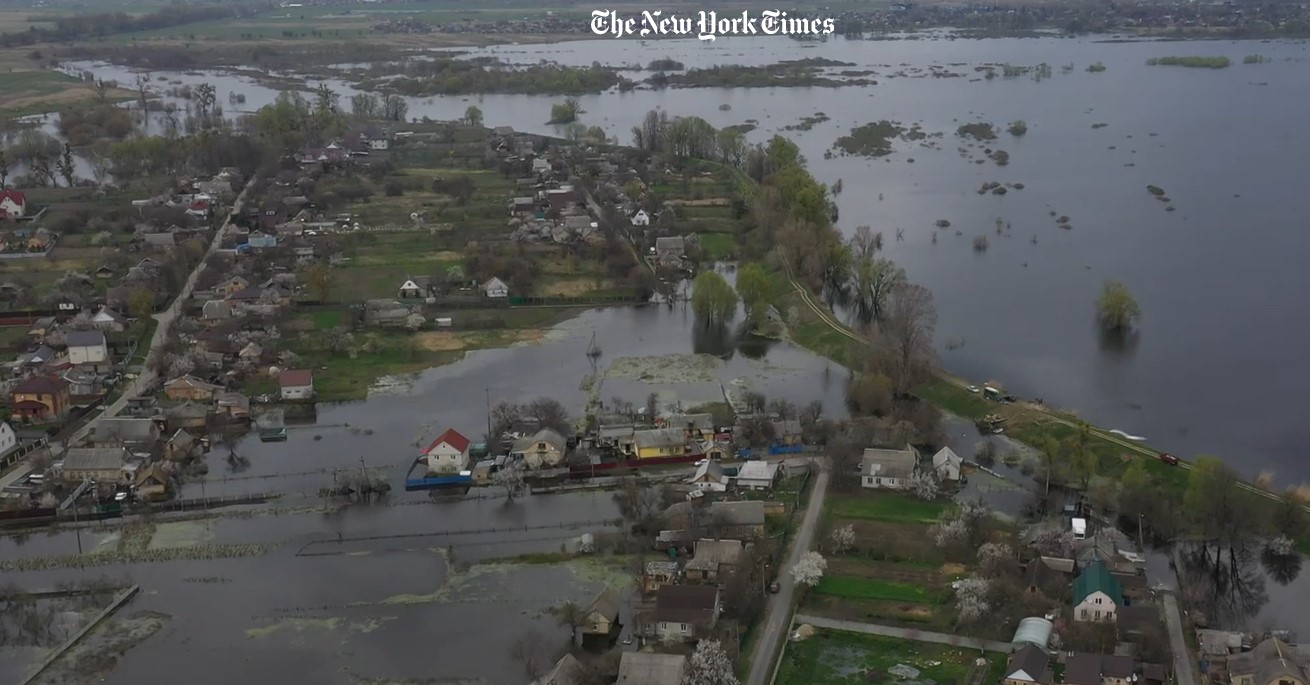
164 321
1177 643
909 634
777 611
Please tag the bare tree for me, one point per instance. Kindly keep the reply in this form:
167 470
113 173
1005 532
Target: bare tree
549 413
909 326
573 616
639 504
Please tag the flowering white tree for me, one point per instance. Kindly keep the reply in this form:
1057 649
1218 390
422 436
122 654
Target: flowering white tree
993 556
414 321
710 665
1051 539
510 478
924 485
843 538
971 598
949 532
809 570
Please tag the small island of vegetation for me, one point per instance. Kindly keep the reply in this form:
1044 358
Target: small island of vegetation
1195 62
798 73
665 64
875 139
978 131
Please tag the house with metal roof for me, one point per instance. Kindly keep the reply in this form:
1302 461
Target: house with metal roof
1028 666
1097 595
887 469
646 668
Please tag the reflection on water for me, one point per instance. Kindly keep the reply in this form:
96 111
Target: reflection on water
1226 584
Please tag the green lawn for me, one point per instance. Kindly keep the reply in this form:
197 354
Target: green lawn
886 506
13 338
841 658
867 588
717 246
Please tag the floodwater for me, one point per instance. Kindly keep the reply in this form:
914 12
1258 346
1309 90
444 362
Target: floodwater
386 432
1218 363
381 601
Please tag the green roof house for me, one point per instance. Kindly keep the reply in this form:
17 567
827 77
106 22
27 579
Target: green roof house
1097 595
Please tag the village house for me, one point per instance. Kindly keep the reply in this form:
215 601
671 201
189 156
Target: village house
188 415
215 311
296 384
106 319
259 240
545 448
669 251
709 477
251 353
657 574
693 426
714 560
615 431
682 612
82 382
659 442
448 453
1082 668
103 272
649 668
180 447
40 399
190 388
41 328
87 347
142 407
151 482
40 357
759 475
1028 665
1048 576
8 442
386 313
737 519
1271 662
567 671
600 623
99 464
136 434
495 288
232 285
13 204
233 405
640 218
885 468
946 464
523 205
415 287
1097 596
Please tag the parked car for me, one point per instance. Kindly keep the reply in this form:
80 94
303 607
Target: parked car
973 388
1169 459
773 587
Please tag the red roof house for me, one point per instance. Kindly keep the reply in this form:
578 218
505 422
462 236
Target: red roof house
296 384
13 204
448 453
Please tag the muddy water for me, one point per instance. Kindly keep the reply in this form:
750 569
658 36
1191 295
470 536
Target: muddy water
381 601
385 431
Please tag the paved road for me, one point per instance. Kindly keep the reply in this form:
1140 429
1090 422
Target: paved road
909 634
1177 642
777 611
164 322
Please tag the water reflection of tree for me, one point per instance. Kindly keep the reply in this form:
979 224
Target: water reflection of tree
712 337
1283 568
1224 581
1117 341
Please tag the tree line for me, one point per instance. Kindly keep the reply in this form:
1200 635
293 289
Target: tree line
82 26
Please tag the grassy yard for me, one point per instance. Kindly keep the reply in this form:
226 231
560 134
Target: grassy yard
840 658
886 506
13 338
865 588
717 246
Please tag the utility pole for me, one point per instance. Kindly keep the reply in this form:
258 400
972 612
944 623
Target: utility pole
363 474
1141 546
490 437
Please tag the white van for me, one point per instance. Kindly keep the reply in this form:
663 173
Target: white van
1080 529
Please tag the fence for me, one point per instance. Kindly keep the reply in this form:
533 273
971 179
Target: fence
563 525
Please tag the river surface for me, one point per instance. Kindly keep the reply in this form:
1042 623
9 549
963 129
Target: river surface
1218 364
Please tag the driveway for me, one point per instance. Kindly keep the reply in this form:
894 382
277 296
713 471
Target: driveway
777 611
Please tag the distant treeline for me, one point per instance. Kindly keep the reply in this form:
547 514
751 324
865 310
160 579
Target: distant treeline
83 26
460 77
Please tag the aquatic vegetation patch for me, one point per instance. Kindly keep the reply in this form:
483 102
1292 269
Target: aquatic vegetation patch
876 139
1194 62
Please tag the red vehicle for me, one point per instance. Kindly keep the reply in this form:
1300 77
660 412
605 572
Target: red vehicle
1169 459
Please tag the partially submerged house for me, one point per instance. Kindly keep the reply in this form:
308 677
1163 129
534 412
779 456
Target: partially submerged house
448 453
543 449
600 625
